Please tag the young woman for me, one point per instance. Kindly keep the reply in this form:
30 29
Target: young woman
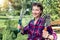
35 28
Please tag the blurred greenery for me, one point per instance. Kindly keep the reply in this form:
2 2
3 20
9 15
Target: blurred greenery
10 14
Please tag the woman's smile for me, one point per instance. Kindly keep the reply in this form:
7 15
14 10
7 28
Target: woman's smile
36 11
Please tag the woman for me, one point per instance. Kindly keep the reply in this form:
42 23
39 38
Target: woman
35 28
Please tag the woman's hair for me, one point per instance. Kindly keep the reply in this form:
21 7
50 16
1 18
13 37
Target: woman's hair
38 5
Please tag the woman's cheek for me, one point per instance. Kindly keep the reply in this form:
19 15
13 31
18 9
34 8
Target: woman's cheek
38 12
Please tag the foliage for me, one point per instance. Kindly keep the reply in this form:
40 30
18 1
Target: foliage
10 32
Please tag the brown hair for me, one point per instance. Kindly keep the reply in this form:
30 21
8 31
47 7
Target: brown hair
38 5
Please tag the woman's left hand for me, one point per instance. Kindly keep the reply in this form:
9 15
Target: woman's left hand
51 37
45 34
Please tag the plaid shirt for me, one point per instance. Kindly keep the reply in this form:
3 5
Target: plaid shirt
35 31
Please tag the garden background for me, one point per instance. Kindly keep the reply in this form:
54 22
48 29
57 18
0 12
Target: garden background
10 11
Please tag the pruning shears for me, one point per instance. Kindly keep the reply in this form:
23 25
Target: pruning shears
47 21
21 16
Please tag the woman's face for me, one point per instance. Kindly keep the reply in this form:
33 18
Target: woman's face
36 11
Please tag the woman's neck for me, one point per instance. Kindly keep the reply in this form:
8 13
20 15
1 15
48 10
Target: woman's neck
36 19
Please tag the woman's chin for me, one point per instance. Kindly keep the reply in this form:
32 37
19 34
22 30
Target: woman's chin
35 16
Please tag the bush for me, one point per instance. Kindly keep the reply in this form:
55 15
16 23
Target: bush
21 37
11 33
8 34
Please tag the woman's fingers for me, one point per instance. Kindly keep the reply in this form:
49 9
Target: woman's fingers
51 37
19 27
45 34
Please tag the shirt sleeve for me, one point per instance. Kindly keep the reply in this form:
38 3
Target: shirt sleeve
25 29
49 29
51 32
54 35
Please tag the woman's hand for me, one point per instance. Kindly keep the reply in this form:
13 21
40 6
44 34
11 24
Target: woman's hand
47 35
19 26
51 37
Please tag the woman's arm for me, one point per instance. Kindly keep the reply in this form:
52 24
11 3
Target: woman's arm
48 35
54 35
23 30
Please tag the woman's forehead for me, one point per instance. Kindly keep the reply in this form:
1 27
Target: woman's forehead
35 7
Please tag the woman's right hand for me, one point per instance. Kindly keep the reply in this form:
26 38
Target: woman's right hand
19 24
19 27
